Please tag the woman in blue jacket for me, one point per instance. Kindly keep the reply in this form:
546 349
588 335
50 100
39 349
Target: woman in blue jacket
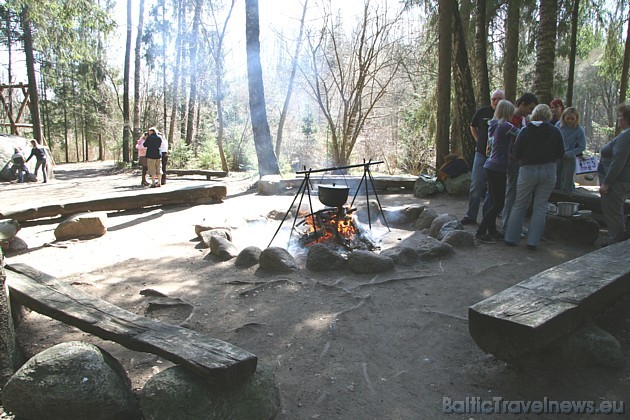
574 144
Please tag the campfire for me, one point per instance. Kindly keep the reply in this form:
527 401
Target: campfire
336 226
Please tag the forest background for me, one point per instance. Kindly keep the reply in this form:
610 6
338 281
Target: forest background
320 84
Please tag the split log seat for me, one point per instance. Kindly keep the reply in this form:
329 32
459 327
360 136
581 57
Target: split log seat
217 360
531 314
202 172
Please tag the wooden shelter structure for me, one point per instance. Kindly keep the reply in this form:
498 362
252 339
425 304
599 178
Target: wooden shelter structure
7 105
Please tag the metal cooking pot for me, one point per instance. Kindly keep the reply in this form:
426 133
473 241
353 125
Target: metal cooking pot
567 208
333 195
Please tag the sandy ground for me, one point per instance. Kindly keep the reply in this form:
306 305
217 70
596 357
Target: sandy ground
342 345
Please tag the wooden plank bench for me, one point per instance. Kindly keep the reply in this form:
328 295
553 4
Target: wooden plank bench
212 358
202 172
202 194
533 313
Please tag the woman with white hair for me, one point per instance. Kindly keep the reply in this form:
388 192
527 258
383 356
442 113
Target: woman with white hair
537 147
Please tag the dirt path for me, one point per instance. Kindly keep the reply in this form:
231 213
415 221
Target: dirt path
342 345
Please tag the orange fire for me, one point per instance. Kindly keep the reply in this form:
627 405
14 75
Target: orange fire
330 226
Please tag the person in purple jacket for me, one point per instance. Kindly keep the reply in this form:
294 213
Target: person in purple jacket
501 132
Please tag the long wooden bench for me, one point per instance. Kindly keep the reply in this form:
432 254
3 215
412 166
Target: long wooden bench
531 314
203 172
216 359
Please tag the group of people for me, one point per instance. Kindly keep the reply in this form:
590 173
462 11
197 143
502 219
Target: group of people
18 162
524 151
153 157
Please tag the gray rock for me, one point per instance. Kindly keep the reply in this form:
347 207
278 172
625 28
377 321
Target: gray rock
278 260
449 226
403 255
269 185
591 346
248 257
582 232
222 248
459 185
438 222
459 239
430 248
14 246
323 258
365 262
73 380
8 229
82 226
204 226
424 186
206 235
177 393
402 215
279 215
425 219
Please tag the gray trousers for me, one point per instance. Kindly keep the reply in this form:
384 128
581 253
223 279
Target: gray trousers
612 207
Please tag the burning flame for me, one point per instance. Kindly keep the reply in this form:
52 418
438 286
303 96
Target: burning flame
330 226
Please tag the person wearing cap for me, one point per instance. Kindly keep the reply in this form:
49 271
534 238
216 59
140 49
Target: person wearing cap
19 165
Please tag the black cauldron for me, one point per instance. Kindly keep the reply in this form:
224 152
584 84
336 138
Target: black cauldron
333 195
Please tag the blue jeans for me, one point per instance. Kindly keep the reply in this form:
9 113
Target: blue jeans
565 173
538 180
510 193
478 188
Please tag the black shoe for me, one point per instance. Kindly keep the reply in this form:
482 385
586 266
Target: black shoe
484 238
532 247
509 243
467 221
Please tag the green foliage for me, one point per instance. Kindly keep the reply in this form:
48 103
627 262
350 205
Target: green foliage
417 136
181 155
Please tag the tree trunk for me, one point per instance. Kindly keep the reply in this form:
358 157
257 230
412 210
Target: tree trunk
192 99
546 51
573 51
510 67
126 124
445 28
623 86
464 106
481 54
287 99
136 81
32 79
267 162
178 57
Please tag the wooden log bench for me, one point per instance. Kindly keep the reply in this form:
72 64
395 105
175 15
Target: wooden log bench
215 359
203 194
531 314
203 172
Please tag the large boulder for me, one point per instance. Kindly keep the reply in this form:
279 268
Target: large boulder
578 231
321 257
82 226
424 186
439 222
248 257
459 185
276 259
178 393
367 262
71 381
